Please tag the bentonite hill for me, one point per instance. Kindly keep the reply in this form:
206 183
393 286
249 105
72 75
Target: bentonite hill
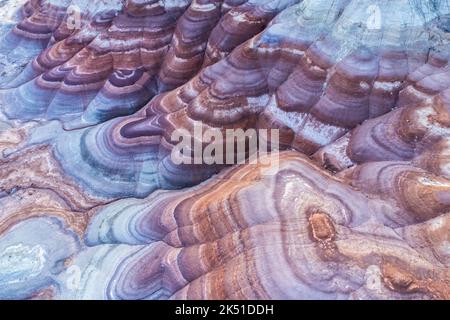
350 201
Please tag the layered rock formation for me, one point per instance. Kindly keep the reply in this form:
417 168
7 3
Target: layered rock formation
120 54
300 233
379 232
359 92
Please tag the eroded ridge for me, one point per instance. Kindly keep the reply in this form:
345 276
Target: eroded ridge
120 54
355 205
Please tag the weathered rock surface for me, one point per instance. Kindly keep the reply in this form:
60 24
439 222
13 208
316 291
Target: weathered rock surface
355 205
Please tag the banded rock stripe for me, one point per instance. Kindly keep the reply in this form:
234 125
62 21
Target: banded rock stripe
357 207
